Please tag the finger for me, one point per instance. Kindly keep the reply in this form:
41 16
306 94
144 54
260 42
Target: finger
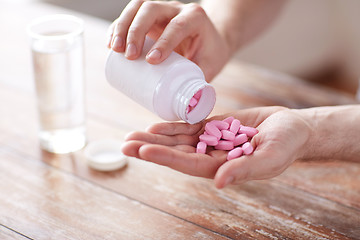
162 139
147 16
195 164
171 129
184 25
185 148
131 148
121 25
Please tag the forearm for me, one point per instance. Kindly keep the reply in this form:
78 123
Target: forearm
240 21
335 133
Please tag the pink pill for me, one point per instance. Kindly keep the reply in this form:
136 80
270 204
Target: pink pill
209 139
240 139
227 135
229 120
211 129
249 131
235 125
235 153
247 148
193 102
198 94
224 145
201 147
221 125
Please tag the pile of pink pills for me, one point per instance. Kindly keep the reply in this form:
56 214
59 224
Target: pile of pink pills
228 135
194 101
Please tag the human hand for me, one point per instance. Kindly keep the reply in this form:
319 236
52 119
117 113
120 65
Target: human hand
282 135
184 28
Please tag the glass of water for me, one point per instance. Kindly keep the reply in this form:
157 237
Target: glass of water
58 64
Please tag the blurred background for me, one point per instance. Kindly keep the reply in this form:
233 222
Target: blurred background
317 40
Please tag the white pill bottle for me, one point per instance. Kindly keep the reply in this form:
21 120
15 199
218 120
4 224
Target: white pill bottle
165 88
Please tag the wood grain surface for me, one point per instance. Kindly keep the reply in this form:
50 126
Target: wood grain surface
6 233
49 196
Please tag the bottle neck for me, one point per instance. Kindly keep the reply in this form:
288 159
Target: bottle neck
205 103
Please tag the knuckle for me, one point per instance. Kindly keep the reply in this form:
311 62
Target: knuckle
133 35
150 6
134 31
195 8
179 22
119 24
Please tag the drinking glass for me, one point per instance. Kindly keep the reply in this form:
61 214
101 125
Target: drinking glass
58 66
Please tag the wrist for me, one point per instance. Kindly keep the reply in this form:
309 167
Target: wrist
334 133
310 149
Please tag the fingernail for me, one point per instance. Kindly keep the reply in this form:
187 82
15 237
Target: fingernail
229 180
117 42
130 50
154 54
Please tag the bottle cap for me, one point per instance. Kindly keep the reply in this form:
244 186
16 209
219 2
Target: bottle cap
105 155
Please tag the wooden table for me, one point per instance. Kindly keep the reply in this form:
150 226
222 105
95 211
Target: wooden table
48 196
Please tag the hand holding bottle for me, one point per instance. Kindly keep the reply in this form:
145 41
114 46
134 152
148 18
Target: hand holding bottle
184 28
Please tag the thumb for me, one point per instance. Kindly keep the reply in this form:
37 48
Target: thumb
233 171
259 165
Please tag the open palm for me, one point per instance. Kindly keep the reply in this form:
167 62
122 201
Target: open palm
281 135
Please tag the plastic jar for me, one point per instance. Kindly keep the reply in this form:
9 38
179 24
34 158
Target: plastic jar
165 88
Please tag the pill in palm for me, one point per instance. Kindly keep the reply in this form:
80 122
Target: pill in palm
224 145
228 135
249 131
240 139
201 147
221 125
235 153
229 120
211 129
209 140
235 125
247 148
